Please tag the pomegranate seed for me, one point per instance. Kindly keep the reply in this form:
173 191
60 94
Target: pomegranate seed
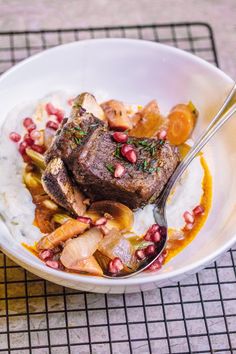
152 229
119 170
27 122
188 226
155 265
115 265
125 148
149 250
35 134
120 137
31 127
28 139
198 210
15 137
140 254
162 134
52 264
161 258
162 230
60 115
46 254
165 253
50 109
37 148
84 219
52 125
188 217
23 145
26 158
156 237
101 222
131 156
147 237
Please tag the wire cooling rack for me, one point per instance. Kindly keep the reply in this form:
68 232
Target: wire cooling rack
197 315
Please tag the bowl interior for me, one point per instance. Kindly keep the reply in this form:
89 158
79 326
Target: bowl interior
136 72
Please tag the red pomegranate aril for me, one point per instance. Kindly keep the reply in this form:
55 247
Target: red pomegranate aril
60 115
50 109
46 254
161 258
163 134
198 210
27 122
52 125
140 254
156 237
28 139
120 137
84 219
125 148
115 265
152 229
162 230
101 222
149 250
26 158
119 170
131 156
165 253
35 134
15 137
38 148
147 237
52 264
155 265
188 217
23 145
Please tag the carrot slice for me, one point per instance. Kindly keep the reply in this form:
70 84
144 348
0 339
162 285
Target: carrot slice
181 124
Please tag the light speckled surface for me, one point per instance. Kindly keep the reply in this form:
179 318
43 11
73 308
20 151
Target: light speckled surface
197 315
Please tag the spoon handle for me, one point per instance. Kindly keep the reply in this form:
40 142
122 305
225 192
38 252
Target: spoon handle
226 111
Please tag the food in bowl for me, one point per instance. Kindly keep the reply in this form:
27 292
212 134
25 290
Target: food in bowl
94 177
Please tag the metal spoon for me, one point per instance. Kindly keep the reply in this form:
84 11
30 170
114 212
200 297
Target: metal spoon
223 115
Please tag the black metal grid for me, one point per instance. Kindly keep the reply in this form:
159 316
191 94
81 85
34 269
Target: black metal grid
197 315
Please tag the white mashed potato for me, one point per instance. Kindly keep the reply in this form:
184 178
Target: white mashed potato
187 194
16 206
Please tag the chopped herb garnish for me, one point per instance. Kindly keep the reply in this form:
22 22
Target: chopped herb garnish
143 166
81 132
110 168
144 143
117 152
77 140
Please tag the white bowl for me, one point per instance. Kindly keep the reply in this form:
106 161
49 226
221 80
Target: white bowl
135 71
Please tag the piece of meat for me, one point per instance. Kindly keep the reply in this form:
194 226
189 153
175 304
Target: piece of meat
60 187
90 154
72 136
141 182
